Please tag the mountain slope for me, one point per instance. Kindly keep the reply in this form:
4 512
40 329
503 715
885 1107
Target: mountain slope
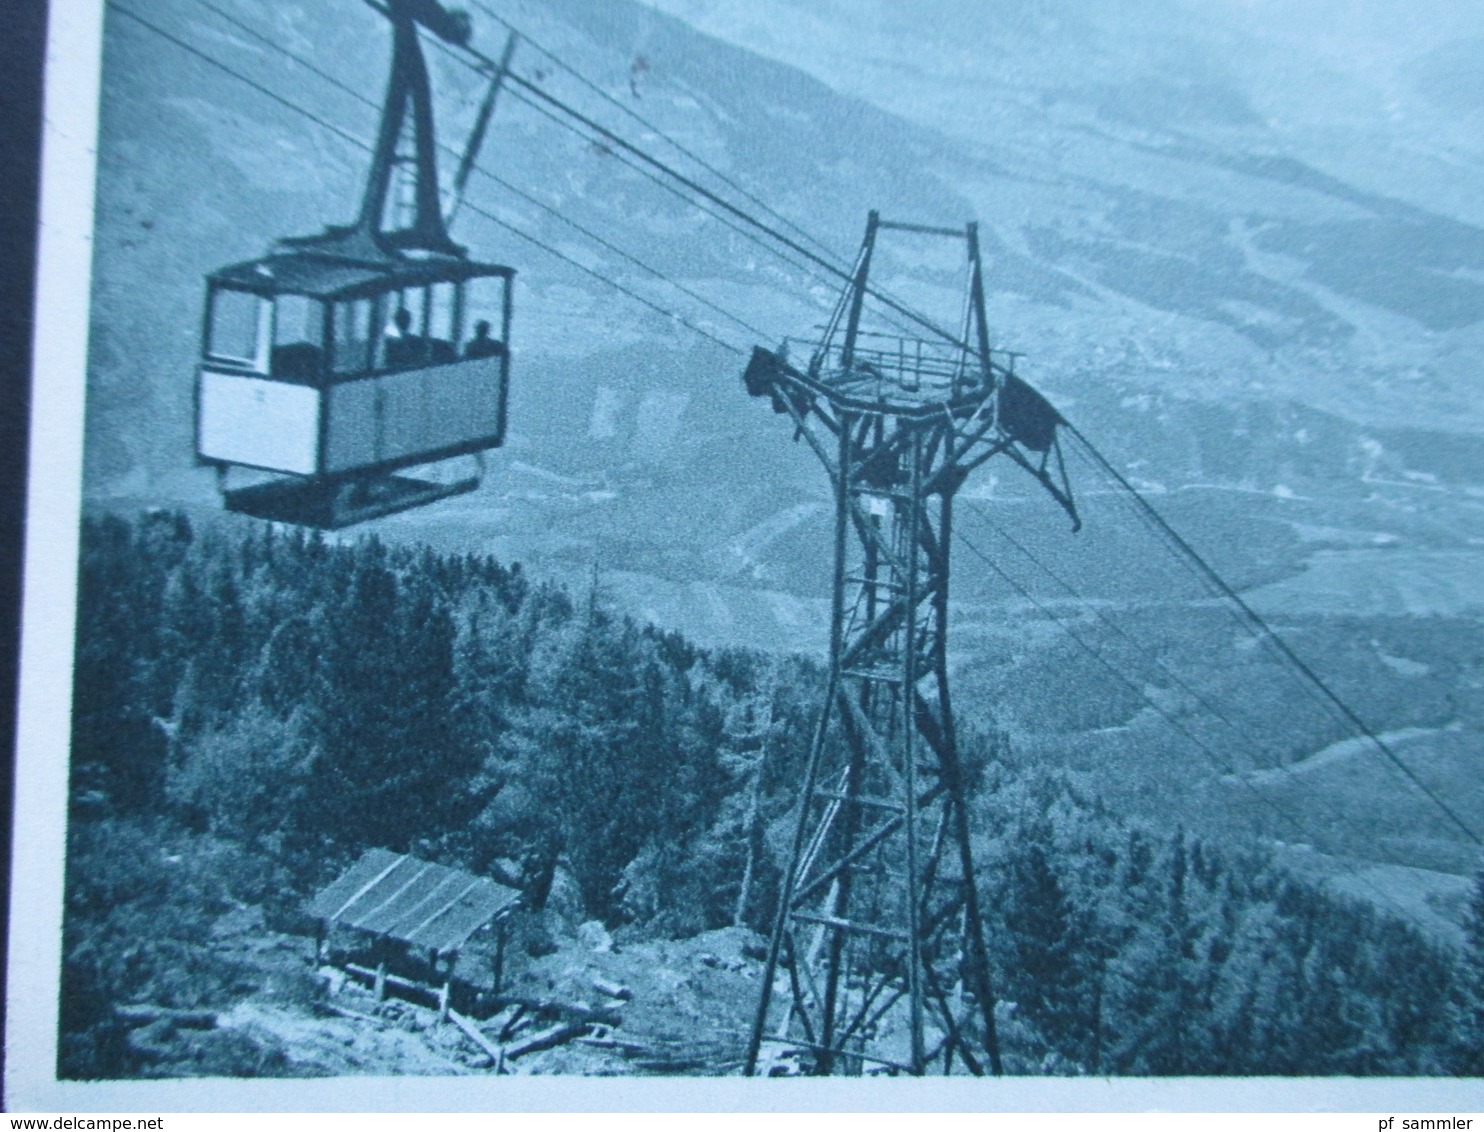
1240 245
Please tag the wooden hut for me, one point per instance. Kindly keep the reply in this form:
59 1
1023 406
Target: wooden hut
417 916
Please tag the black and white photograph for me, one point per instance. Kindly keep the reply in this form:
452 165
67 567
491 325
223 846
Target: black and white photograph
755 548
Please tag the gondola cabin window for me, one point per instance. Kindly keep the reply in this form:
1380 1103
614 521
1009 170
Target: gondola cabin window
353 335
238 327
443 303
298 338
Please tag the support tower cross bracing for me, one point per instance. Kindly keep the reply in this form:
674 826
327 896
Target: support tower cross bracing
877 961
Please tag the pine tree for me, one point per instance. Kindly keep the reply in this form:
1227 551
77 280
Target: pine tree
1468 995
1050 965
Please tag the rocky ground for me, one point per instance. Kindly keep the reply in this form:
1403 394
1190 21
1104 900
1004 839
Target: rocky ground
589 1007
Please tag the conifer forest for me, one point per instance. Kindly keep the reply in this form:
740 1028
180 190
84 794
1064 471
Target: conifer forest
514 629
255 708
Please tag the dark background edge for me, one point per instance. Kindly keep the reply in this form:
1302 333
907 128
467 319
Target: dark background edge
22 49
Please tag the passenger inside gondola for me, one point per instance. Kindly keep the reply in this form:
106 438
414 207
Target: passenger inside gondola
405 349
482 345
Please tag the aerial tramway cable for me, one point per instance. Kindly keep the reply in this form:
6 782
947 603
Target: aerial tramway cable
1119 675
624 108
839 273
361 143
703 207
1350 869
1146 510
1264 631
1148 655
346 88
748 232
669 179
1128 637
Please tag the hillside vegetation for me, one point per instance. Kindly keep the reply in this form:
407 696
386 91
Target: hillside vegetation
255 708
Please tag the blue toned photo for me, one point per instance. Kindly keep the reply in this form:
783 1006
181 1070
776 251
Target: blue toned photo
736 541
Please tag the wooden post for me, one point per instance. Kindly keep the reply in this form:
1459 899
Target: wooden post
319 942
380 986
499 960
443 991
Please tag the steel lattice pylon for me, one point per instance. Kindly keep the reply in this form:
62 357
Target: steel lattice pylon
878 959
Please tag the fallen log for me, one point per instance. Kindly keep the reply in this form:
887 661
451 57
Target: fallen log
143 1013
571 1011
355 1015
545 1039
501 1017
612 990
666 1057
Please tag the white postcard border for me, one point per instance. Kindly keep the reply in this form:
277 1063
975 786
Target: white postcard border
54 497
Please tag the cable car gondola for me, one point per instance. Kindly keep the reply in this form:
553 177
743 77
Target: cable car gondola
340 359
